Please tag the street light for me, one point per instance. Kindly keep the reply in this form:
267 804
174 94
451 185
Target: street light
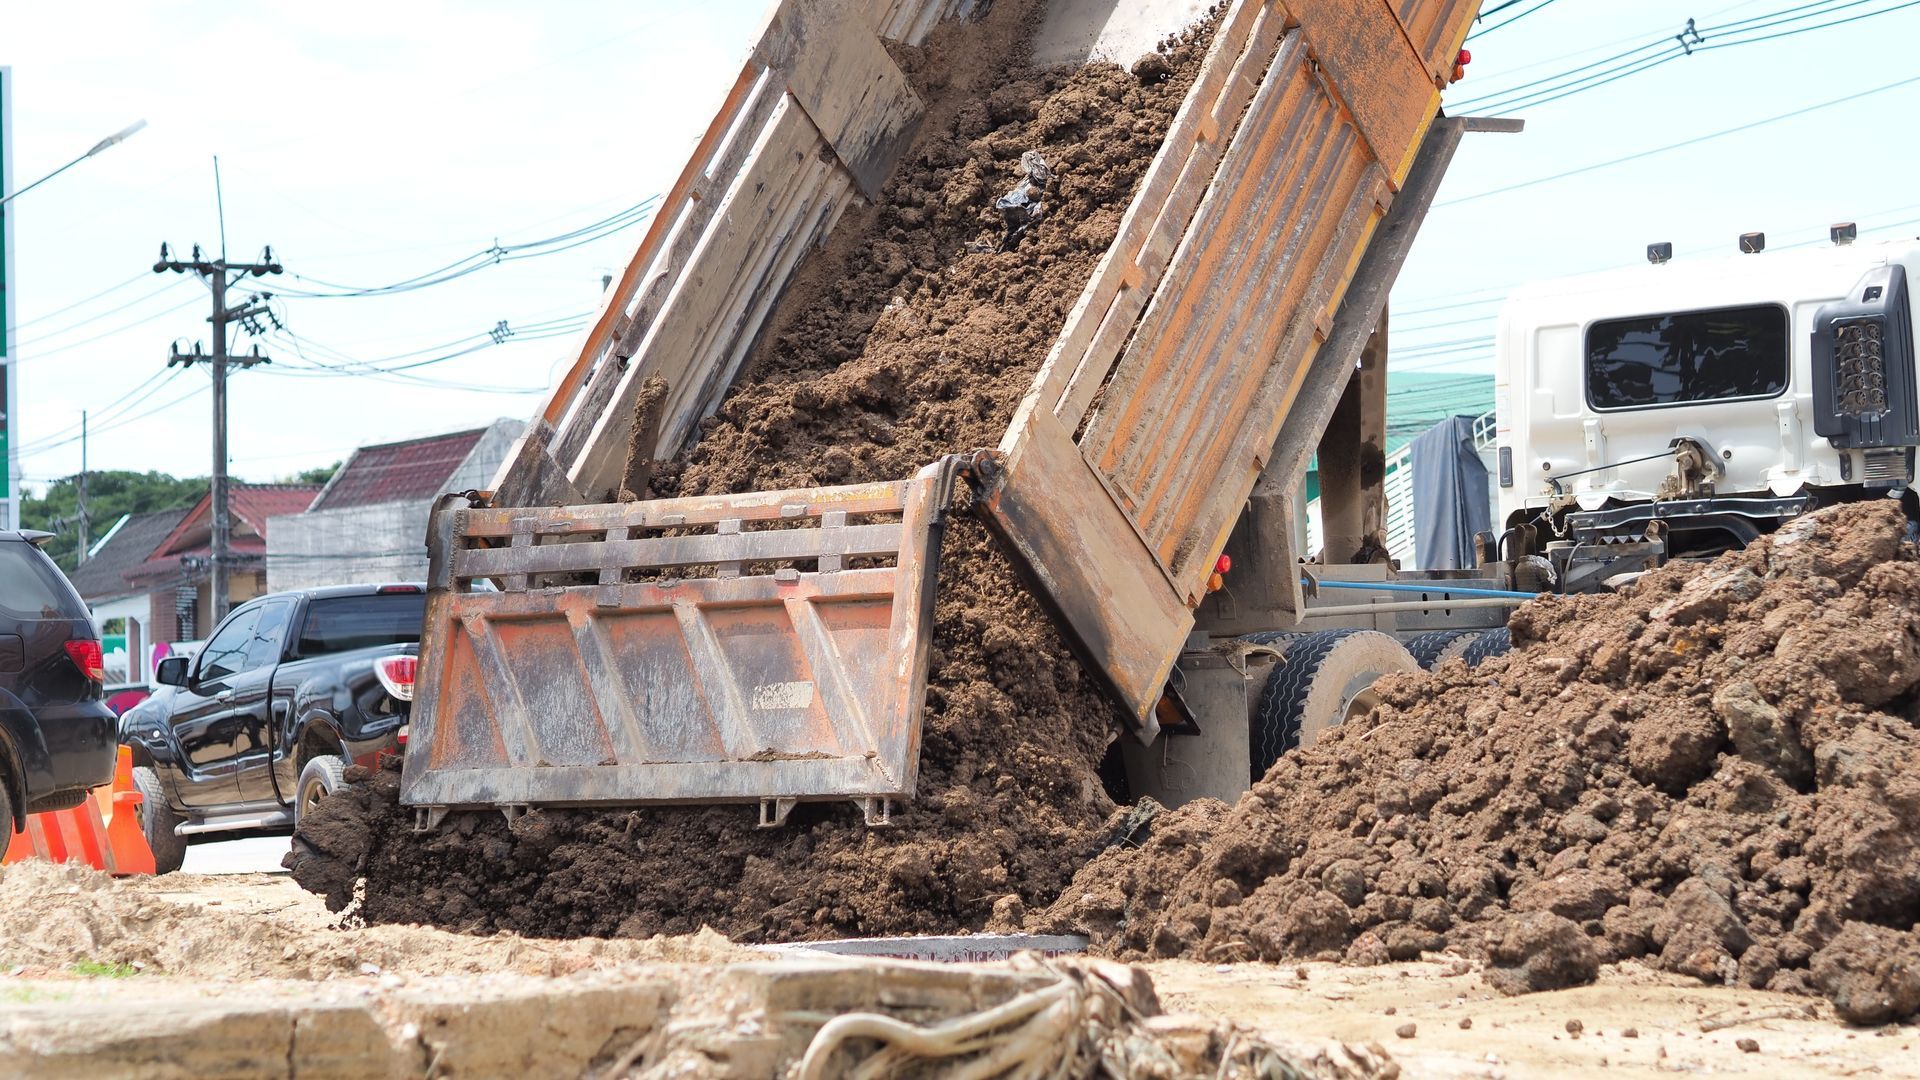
112 140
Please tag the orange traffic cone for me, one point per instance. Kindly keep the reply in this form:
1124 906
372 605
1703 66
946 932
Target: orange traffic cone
125 838
113 842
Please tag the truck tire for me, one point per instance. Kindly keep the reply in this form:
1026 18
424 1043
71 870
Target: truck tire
1325 677
320 778
1490 644
1434 648
6 814
157 821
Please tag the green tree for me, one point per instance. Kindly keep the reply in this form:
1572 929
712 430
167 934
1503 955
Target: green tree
318 475
110 493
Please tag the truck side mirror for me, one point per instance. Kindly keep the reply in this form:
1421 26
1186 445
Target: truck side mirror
171 672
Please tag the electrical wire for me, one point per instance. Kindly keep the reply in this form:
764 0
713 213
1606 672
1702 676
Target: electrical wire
1484 31
1687 42
109 333
1696 140
491 255
91 319
45 445
15 328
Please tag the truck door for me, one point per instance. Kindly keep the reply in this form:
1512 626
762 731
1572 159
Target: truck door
258 712
204 726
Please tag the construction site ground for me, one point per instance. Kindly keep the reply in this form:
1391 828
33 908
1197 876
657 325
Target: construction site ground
399 1000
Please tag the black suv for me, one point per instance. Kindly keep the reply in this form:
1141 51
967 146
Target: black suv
56 732
261 724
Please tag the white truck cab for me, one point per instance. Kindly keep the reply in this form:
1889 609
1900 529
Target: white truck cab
1684 407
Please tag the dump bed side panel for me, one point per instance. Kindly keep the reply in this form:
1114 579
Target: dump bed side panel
817 117
1191 345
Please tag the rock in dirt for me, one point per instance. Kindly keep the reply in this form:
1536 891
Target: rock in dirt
1539 951
907 337
1717 771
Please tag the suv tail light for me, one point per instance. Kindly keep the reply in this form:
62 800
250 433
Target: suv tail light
396 674
86 655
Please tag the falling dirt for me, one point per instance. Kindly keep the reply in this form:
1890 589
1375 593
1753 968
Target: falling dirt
1717 772
908 337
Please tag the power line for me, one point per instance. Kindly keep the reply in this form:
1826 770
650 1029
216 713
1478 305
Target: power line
109 333
42 447
15 328
91 319
1685 142
1509 22
491 255
1689 41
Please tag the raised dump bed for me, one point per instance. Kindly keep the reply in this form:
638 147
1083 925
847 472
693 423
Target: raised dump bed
771 646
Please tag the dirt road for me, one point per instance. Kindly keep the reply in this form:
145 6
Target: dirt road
232 993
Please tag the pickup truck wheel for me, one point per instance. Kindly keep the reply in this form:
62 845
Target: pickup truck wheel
1324 678
322 777
6 816
157 821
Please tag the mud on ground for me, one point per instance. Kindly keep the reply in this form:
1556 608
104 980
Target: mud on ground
1717 772
908 337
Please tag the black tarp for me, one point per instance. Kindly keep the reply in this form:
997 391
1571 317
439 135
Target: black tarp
1449 495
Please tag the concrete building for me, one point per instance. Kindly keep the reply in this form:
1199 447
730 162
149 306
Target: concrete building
369 524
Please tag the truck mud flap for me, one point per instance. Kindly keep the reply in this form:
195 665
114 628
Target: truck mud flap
767 647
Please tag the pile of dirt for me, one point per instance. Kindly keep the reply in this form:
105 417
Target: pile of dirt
909 336
57 918
1718 772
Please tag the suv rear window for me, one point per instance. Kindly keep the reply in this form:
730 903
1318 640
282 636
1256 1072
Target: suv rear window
31 587
1722 354
339 623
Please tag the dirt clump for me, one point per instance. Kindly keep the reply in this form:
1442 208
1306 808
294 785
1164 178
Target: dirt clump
907 337
1717 771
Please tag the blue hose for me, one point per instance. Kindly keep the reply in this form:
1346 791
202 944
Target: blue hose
1436 587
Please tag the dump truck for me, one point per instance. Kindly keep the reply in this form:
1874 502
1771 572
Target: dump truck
1683 408
771 647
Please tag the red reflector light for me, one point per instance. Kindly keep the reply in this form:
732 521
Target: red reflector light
1224 564
1463 59
86 655
396 674
385 589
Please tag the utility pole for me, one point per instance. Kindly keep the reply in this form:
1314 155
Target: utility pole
216 274
81 560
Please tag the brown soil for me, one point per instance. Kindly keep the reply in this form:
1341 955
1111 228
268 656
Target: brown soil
1718 772
908 337
58 919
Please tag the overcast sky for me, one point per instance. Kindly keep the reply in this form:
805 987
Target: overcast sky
369 143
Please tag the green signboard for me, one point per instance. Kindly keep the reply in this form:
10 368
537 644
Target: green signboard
6 298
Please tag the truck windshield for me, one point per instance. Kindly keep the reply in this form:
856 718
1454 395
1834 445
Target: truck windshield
1693 356
339 623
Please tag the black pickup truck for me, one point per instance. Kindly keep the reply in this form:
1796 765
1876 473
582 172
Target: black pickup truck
261 724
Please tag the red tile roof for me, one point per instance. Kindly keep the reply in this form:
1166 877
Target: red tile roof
250 504
398 472
254 504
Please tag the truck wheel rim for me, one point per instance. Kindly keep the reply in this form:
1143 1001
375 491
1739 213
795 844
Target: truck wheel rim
310 797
